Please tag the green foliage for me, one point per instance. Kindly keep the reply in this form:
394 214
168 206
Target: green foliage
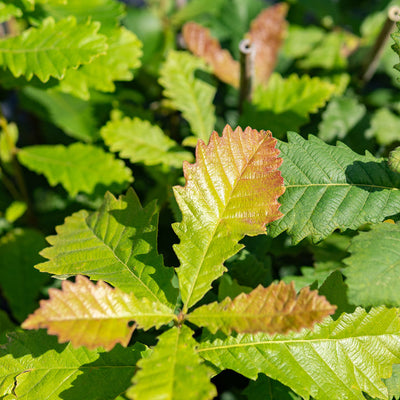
78 167
330 187
189 93
333 361
48 51
256 268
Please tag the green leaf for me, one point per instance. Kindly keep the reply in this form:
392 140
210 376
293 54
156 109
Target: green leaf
229 287
20 282
74 116
275 309
385 126
188 92
340 117
195 8
396 45
285 103
117 244
34 366
141 141
330 187
107 12
230 191
5 325
8 11
51 49
123 54
337 360
78 167
96 315
301 40
373 266
172 365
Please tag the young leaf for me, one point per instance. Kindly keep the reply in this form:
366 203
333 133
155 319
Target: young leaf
170 367
140 141
95 315
19 281
275 309
34 366
51 49
117 244
123 54
8 11
266 34
285 103
231 191
188 93
331 187
78 167
337 360
200 42
373 266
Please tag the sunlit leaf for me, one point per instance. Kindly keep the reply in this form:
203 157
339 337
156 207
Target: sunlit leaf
78 167
337 360
275 309
95 315
8 11
173 370
230 191
140 141
117 244
200 42
51 49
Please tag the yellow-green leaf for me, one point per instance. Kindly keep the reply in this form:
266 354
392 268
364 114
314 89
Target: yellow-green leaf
95 315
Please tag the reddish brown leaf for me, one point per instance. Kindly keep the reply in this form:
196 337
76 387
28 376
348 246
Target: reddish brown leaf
200 42
95 315
266 35
275 309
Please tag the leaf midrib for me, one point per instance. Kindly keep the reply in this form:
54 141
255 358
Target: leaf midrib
217 225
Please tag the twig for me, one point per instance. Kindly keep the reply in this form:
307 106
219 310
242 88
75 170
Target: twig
246 72
372 60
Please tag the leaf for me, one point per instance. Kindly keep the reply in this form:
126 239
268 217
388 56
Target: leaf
331 187
170 367
200 42
34 366
337 360
51 49
107 12
286 102
385 126
96 315
275 309
117 244
340 117
301 40
74 116
20 283
5 324
78 167
266 35
123 54
230 191
396 46
140 141
196 8
188 93
229 287
373 266
8 11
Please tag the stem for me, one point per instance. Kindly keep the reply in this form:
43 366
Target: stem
17 170
246 72
372 60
